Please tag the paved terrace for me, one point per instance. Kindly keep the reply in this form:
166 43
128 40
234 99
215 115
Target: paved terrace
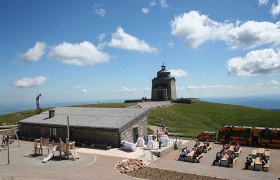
170 162
92 163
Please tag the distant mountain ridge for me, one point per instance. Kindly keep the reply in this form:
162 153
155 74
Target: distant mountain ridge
263 102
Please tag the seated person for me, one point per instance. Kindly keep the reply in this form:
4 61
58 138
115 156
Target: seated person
249 161
236 147
230 159
187 150
197 152
5 140
207 143
225 148
197 143
218 157
183 153
264 160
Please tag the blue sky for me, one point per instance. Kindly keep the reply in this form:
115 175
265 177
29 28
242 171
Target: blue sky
88 50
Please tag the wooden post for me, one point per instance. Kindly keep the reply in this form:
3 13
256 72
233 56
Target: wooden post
68 135
16 136
8 152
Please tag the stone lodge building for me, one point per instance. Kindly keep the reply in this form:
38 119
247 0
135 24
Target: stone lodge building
163 86
105 126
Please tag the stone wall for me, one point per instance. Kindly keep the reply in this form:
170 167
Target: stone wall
142 126
86 136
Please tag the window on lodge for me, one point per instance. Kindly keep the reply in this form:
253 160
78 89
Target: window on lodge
234 133
53 132
244 134
275 135
265 135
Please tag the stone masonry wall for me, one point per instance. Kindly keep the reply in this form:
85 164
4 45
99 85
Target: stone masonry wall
142 126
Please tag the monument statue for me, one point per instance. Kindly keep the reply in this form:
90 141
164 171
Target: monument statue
39 110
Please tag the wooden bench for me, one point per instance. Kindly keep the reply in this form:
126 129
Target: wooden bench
181 159
40 145
258 164
254 153
197 159
234 160
224 161
266 167
217 163
251 167
206 149
267 153
189 157
260 151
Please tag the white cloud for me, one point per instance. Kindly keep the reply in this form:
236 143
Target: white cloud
145 10
273 82
263 2
197 29
83 91
99 10
101 37
1 94
122 40
33 54
170 44
258 62
131 90
28 82
101 43
163 3
275 8
78 87
152 3
209 87
81 54
178 73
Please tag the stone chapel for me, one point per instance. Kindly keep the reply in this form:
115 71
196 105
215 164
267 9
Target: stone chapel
163 86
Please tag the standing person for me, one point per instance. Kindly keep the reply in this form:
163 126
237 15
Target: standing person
159 143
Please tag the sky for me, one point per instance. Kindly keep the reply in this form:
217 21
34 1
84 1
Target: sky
89 50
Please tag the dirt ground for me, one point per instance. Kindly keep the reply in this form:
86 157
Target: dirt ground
96 166
170 162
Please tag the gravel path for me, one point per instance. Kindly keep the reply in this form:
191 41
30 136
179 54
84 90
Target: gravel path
205 167
154 104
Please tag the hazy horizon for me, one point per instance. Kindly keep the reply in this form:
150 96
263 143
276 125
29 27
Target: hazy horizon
263 102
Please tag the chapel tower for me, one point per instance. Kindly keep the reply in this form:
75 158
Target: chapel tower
163 86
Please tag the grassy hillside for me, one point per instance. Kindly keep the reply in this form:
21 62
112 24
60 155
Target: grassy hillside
190 119
13 118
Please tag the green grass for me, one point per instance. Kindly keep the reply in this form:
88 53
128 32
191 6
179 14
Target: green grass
190 119
13 118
